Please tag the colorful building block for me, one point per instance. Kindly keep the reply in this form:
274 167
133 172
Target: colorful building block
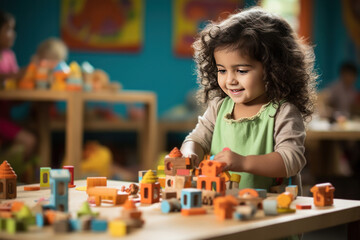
191 198
98 225
71 170
117 228
7 181
59 180
224 207
149 188
95 182
109 194
270 207
45 177
170 205
323 194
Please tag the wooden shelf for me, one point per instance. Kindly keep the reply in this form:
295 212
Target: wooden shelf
101 125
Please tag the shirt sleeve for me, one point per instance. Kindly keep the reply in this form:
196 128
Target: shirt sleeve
202 133
289 136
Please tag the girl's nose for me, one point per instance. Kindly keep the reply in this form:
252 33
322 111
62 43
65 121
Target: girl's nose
231 78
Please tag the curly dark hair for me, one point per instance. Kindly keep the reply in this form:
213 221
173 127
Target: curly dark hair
288 63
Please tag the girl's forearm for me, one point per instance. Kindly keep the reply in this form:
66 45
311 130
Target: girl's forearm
268 165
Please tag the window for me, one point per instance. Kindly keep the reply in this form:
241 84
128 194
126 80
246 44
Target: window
288 9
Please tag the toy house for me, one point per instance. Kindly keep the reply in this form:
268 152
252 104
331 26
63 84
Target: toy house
175 161
210 178
323 194
45 177
7 181
149 188
59 180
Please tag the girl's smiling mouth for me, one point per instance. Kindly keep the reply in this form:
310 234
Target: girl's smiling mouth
236 91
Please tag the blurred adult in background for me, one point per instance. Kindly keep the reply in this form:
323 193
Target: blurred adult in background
340 98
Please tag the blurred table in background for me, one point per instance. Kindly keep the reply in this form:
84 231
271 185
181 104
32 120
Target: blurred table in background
75 122
323 145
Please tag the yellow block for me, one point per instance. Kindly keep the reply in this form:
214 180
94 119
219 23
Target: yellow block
117 228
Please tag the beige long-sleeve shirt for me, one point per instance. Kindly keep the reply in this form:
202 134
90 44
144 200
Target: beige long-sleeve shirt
289 135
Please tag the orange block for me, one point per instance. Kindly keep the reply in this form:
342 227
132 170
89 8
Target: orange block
193 211
31 188
303 206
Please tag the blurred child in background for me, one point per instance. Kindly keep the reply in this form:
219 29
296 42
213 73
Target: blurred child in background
9 131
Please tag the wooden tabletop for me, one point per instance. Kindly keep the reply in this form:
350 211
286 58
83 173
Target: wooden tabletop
175 226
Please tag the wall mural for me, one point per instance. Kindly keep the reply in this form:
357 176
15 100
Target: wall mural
111 25
192 15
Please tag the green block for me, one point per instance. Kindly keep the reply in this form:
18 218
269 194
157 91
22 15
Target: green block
10 225
2 224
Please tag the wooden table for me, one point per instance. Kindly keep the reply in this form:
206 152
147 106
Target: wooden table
176 226
75 121
324 150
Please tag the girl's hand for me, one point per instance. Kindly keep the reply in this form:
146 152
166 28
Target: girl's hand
233 160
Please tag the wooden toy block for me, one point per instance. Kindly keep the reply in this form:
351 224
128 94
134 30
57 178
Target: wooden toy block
168 194
234 192
143 172
49 216
193 211
173 164
191 198
248 192
59 180
112 195
95 182
183 172
11 225
149 188
80 224
284 200
270 207
117 228
303 206
71 170
98 225
212 183
45 177
226 175
286 210
162 180
177 183
170 205
7 181
31 188
224 207
293 189
261 192
131 215
61 226
208 197
323 194
40 220
16 206
85 210
245 212
235 180
211 168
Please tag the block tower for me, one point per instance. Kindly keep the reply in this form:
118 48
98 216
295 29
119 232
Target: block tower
149 188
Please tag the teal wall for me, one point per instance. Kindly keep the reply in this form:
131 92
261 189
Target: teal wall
333 44
155 67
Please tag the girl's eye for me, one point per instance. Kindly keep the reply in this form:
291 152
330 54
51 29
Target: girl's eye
242 71
221 71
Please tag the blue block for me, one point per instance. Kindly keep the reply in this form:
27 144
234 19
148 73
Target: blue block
98 225
191 198
75 225
262 192
40 221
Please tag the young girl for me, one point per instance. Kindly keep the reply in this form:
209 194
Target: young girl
259 83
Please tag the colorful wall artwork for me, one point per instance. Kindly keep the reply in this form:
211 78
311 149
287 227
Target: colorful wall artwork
192 15
107 25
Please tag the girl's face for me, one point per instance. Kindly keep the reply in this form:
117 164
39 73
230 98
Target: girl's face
240 77
7 34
